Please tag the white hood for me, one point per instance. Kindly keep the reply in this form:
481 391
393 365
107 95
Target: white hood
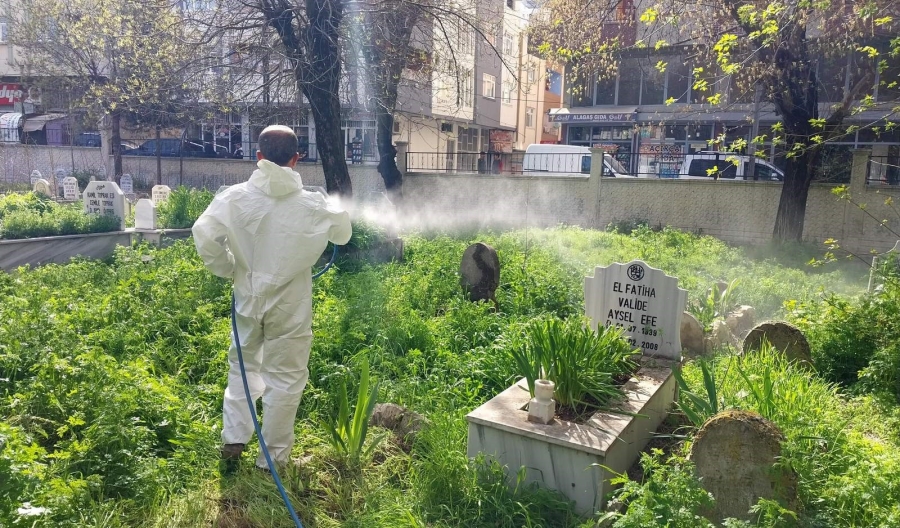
275 180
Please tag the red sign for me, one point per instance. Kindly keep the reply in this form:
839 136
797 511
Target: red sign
10 93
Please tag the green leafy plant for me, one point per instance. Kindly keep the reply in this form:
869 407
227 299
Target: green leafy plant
715 305
699 407
581 362
347 433
33 215
183 207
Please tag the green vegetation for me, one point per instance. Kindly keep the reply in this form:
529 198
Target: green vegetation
111 379
183 207
31 215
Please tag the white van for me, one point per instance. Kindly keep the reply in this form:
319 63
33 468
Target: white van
567 159
699 166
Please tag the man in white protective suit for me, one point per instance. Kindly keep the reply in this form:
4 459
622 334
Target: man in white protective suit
266 234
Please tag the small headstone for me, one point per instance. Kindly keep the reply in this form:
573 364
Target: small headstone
35 176
720 336
42 186
403 422
735 455
126 183
645 302
145 214
782 336
741 320
480 272
692 338
160 193
104 198
70 189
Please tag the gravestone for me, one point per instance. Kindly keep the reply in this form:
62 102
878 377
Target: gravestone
692 338
145 214
101 197
35 176
126 183
782 336
42 186
160 193
223 187
58 176
644 302
734 455
741 320
479 272
70 189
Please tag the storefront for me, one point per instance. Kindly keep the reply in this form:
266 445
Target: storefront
11 127
612 129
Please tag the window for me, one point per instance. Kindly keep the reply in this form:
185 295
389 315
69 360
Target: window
506 95
508 44
529 117
198 5
466 82
466 39
531 74
4 30
489 86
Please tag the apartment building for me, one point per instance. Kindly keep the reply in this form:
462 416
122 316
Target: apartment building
651 119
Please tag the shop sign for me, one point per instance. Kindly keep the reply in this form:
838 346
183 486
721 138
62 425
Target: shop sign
592 118
10 93
501 141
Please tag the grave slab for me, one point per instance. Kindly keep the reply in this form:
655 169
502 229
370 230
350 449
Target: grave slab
102 197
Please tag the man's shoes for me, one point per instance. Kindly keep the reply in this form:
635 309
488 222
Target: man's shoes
232 451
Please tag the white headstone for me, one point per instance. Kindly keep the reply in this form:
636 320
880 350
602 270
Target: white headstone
645 302
126 183
145 214
35 176
222 188
70 188
102 197
43 186
160 193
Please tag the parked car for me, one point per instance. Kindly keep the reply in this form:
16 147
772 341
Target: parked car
92 139
568 159
707 165
169 147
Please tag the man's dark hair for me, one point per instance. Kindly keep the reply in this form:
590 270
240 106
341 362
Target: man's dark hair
278 144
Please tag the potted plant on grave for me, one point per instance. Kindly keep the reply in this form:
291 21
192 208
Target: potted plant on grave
586 367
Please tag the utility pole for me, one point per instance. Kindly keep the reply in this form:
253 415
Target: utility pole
754 132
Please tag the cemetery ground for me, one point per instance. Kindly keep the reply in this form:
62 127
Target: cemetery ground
111 379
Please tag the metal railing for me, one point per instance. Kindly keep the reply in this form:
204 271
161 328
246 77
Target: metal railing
883 170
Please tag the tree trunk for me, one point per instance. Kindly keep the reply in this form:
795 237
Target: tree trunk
387 153
116 147
794 193
319 77
158 156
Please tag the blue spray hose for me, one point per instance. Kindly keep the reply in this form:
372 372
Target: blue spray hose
262 442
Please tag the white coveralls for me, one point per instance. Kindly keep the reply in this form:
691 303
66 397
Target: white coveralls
266 234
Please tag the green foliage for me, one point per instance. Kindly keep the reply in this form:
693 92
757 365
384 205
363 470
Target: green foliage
366 234
348 432
33 215
670 495
697 406
581 362
714 305
183 207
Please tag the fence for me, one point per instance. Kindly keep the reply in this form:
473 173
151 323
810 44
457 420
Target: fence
883 170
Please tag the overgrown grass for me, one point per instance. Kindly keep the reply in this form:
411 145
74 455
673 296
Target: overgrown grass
111 379
183 207
31 215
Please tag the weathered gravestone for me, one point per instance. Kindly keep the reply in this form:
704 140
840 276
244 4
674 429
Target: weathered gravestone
644 302
782 336
692 338
102 198
480 272
35 176
145 214
734 455
741 320
42 186
70 189
160 193
126 183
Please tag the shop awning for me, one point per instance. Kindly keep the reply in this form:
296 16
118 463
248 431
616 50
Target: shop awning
9 126
35 123
594 114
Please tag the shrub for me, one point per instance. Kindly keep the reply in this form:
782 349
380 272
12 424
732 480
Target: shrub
183 207
33 215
